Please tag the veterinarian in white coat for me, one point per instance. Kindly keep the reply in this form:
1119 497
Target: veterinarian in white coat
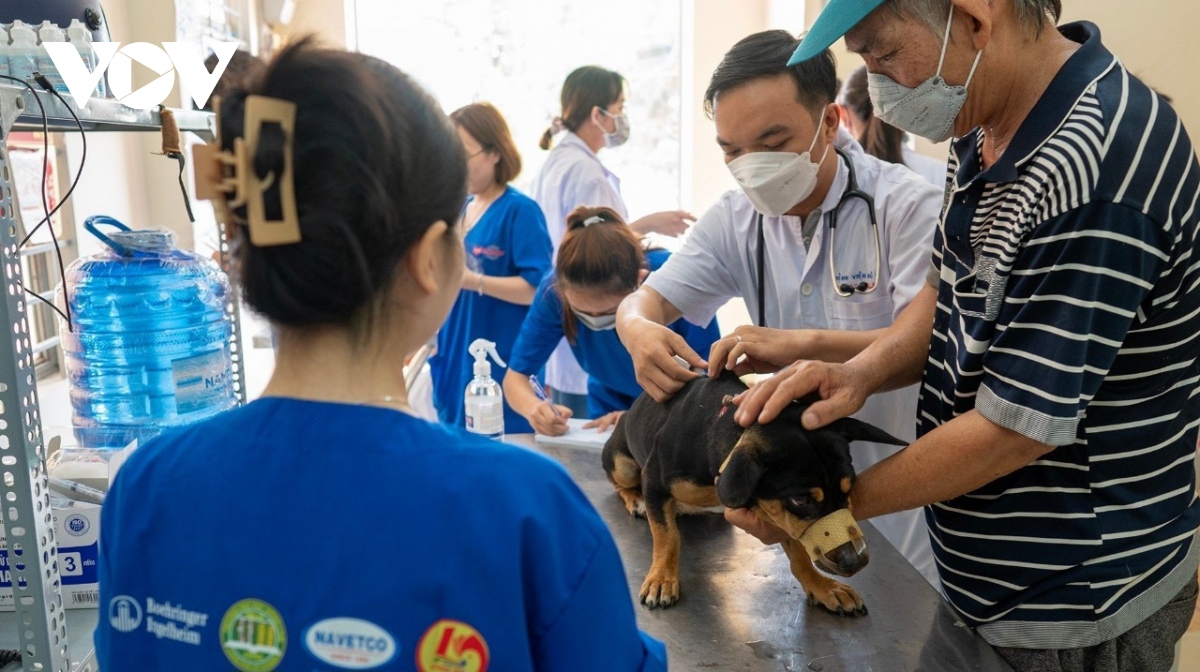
818 295
593 118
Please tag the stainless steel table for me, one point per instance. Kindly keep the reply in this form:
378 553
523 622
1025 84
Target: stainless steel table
741 609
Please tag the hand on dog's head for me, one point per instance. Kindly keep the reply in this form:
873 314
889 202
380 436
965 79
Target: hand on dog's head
783 461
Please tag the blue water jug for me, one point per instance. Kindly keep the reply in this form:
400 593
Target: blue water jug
150 348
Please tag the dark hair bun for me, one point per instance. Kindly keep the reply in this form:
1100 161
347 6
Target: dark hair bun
376 162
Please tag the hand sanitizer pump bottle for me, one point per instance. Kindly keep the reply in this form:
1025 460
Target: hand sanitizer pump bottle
484 398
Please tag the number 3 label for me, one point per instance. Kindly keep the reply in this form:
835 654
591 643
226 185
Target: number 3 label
72 564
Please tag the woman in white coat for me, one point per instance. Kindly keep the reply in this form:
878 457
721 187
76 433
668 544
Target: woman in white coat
592 118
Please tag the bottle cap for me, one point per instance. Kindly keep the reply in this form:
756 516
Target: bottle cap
480 349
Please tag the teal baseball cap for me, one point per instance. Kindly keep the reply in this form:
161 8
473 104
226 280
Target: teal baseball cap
838 17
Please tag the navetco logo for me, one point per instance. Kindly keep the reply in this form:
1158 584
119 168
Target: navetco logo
350 643
118 61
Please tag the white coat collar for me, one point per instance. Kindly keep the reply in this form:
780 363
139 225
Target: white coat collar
845 142
571 140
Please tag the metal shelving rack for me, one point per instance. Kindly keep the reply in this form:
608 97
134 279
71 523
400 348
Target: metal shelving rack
40 624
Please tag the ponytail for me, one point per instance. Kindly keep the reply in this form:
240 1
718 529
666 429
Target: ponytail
882 140
556 127
599 254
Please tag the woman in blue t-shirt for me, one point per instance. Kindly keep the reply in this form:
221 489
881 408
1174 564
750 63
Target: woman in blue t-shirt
600 262
508 251
324 526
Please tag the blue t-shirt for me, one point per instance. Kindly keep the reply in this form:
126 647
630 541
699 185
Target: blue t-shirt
612 384
305 536
510 239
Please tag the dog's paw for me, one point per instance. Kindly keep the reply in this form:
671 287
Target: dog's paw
634 504
660 590
838 598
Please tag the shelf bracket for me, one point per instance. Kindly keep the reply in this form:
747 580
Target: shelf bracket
28 521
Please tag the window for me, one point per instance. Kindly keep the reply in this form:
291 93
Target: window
515 54
203 22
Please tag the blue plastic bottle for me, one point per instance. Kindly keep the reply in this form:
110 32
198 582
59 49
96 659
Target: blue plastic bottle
151 343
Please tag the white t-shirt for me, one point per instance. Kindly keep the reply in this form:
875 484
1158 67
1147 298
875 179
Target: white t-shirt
718 261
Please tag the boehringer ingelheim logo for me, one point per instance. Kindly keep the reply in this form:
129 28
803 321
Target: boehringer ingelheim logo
124 613
118 61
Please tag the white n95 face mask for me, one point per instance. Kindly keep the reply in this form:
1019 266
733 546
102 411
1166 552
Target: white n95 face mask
598 322
776 181
928 110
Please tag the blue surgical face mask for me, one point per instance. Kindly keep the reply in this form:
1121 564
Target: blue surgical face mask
598 322
930 109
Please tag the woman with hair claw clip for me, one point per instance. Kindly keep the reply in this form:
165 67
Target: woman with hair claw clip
324 523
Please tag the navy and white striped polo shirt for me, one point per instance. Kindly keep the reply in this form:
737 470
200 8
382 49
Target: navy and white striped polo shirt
1069 311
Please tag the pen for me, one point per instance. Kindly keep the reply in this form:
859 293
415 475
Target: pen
541 394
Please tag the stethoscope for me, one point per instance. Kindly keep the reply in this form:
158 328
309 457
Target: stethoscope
843 289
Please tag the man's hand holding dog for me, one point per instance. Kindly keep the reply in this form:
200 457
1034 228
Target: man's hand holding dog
765 350
766 532
843 389
653 348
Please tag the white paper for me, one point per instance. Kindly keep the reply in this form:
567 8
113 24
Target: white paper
577 436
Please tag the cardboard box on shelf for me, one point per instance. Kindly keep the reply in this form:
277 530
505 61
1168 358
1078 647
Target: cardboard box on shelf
77 530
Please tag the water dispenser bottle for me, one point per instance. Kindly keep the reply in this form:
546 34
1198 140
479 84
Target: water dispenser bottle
151 343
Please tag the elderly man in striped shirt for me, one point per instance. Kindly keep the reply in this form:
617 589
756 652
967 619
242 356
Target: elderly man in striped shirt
1057 340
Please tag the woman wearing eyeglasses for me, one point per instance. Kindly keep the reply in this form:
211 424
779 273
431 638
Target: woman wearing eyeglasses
507 253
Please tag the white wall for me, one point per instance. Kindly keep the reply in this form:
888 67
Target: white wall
1156 42
123 178
716 26
327 19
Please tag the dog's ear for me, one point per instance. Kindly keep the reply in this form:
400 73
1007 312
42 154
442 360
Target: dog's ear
856 430
736 484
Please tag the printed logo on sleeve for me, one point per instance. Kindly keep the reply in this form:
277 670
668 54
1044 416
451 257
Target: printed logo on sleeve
349 643
452 646
124 613
253 636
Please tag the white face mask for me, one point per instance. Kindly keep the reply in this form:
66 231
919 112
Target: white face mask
776 181
928 110
598 322
621 126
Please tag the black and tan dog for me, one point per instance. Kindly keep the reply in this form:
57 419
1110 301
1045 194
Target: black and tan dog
666 458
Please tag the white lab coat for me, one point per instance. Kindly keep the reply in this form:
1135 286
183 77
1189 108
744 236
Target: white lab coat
931 169
572 176
718 261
